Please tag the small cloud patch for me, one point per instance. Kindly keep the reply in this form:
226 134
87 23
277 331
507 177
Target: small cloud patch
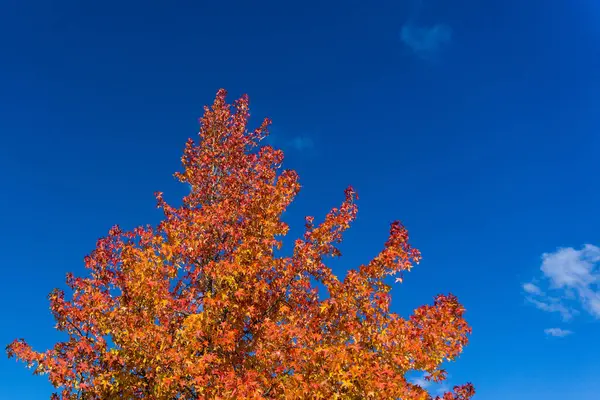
437 389
557 332
570 280
421 381
425 41
302 143
532 289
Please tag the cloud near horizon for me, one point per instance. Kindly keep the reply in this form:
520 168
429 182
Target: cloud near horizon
571 281
426 41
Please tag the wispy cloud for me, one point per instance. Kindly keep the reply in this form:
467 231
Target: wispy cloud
421 381
532 289
552 304
557 332
434 388
576 270
426 41
302 143
442 389
572 282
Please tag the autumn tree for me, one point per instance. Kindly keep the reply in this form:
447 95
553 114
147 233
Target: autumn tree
203 307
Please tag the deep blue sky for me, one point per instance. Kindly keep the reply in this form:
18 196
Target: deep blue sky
474 122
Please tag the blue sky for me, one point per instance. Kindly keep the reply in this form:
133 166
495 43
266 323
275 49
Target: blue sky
474 122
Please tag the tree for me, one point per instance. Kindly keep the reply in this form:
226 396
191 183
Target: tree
202 307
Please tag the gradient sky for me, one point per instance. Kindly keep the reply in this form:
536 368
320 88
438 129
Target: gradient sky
474 122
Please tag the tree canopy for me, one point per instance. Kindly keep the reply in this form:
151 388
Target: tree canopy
203 306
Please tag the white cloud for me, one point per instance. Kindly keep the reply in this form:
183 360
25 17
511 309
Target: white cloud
532 289
573 281
571 268
593 300
426 41
421 381
435 388
576 270
557 332
552 304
